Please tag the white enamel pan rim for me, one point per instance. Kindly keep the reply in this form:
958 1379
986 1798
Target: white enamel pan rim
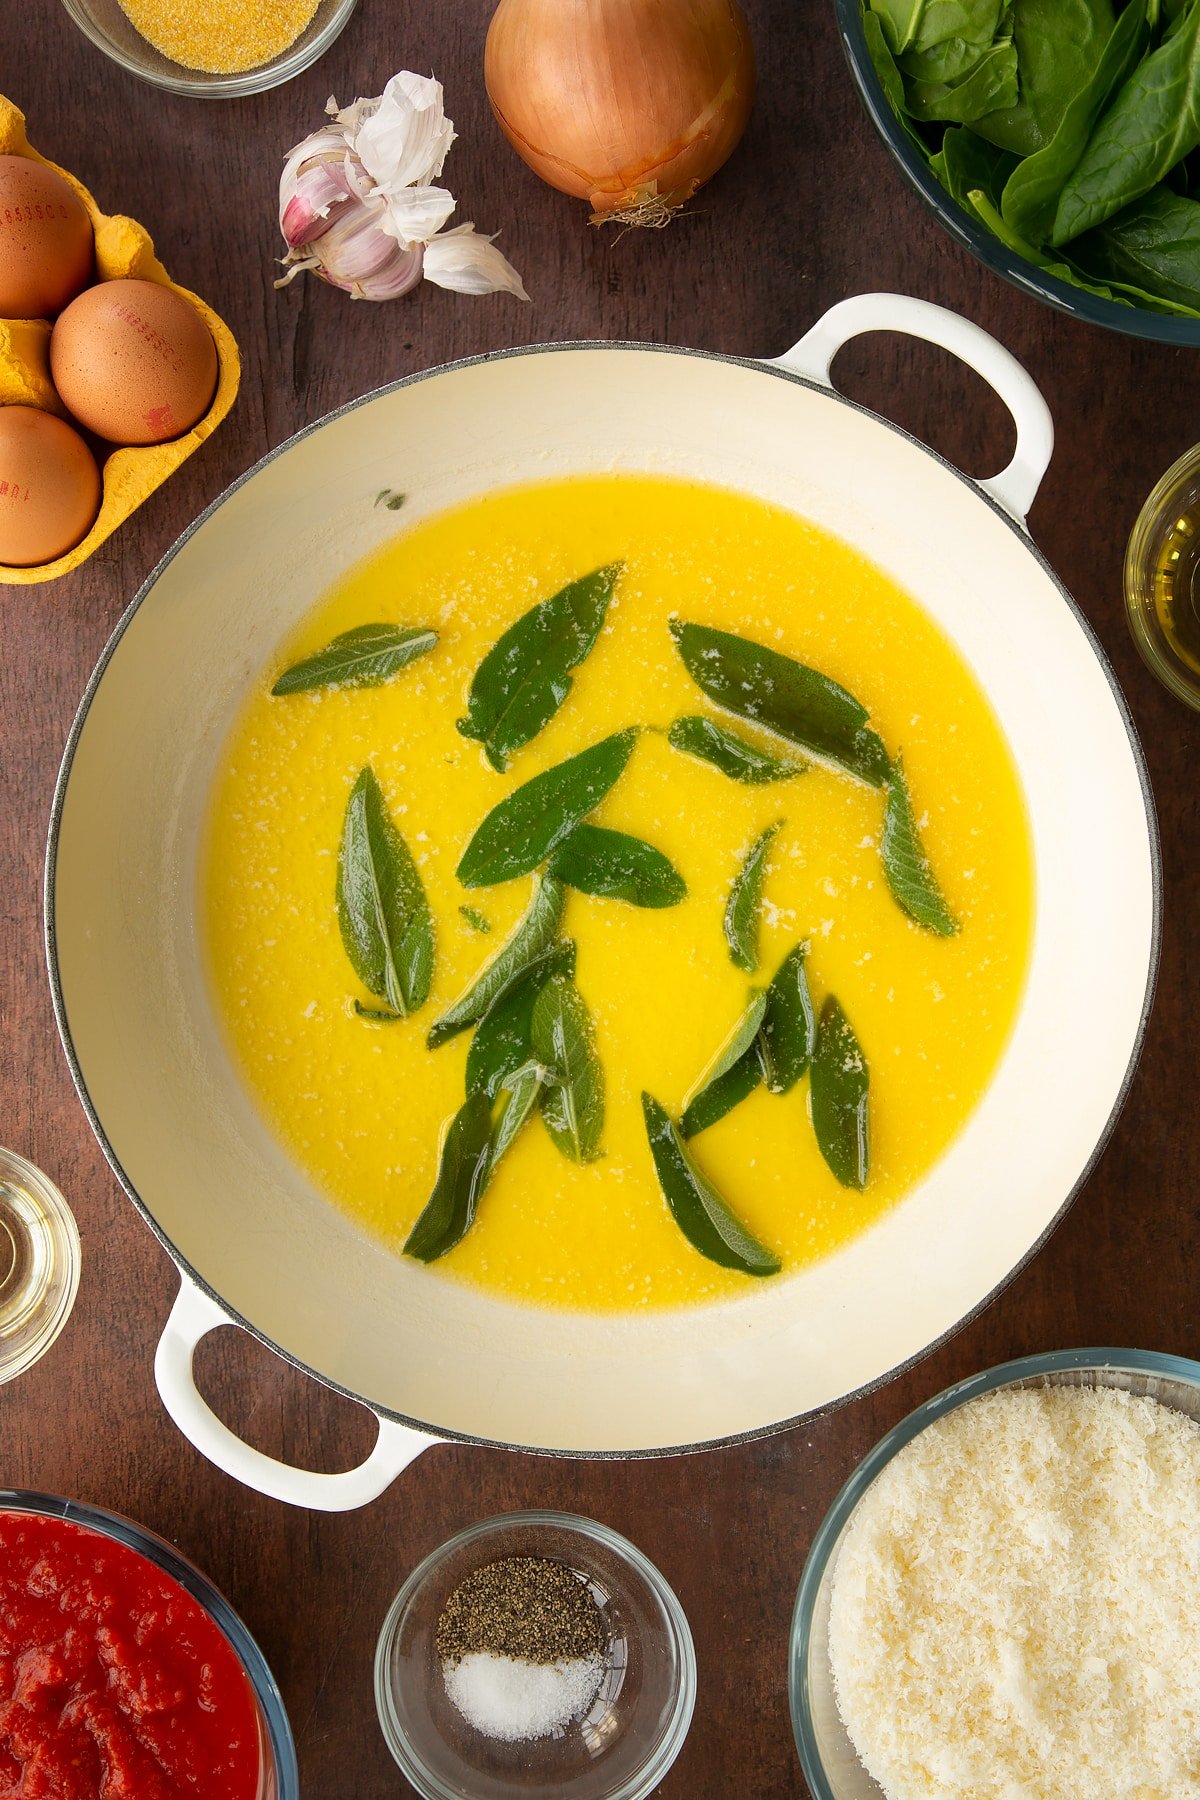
200 1308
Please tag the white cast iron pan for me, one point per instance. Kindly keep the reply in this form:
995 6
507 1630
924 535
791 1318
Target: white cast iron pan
254 1243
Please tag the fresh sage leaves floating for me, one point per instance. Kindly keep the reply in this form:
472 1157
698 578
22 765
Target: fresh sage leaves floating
789 1025
745 902
475 919
736 1073
533 936
615 866
908 870
523 1090
729 752
840 1089
365 657
383 914
525 827
697 1208
463 1170
524 678
503 1039
563 1042
783 695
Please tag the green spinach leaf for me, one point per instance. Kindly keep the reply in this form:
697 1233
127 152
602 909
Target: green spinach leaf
524 678
787 697
533 936
907 867
524 828
384 917
745 902
503 1039
1058 44
731 753
988 84
840 1098
789 1026
695 1205
1153 247
563 1042
463 1170
365 657
966 162
735 1073
614 866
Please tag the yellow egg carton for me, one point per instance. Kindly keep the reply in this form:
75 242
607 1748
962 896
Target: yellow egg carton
123 248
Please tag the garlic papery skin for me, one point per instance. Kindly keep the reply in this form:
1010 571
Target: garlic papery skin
358 206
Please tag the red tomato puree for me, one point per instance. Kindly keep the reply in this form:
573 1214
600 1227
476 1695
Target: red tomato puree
114 1683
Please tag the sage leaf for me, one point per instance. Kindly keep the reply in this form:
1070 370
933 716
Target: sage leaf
475 919
784 695
907 867
503 1039
573 1102
524 679
524 828
386 926
532 937
377 1015
1152 123
463 1169
840 1090
732 754
789 1026
745 902
522 1090
365 657
735 1073
615 866
695 1205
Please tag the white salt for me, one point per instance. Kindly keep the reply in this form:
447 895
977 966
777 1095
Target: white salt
508 1698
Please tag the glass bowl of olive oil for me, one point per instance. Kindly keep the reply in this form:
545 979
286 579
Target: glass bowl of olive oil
39 1264
1162 579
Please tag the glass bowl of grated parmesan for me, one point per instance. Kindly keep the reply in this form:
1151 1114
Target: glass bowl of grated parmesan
217 49
1004 1599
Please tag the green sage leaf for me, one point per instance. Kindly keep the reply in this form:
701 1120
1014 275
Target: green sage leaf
563 1041
615 866
697 1208
907 867
789 1027
503 1039
522 1091
840 1090
365 657
475 919
732 754
384 916
524 679
463 1169
735 1073
745 902
533 936
524 828
785 696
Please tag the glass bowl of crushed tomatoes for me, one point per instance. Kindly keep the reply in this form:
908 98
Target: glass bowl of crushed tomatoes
123 1671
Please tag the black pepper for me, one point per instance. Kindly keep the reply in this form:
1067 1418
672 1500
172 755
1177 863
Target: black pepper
522 1606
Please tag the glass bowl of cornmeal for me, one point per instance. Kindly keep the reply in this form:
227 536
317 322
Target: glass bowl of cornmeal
218 49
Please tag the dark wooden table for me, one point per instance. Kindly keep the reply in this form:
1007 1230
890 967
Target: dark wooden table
810 209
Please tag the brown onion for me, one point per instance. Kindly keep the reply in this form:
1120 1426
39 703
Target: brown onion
630 104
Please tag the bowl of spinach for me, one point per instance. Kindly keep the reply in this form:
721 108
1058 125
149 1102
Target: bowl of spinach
1059 140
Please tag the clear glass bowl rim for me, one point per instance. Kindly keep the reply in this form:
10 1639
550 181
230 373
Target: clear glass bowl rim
646 1779
1023 1368
173 1563
1135 570
1130 321
290 62
66 1230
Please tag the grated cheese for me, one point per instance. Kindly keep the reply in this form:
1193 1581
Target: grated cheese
1015 1608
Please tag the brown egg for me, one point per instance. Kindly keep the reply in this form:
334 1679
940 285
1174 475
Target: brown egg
46 240
134 362
49 487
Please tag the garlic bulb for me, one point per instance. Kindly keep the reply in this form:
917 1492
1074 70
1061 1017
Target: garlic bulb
357 204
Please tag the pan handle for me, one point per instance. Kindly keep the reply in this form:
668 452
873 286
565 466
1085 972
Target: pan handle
1015 487
193 1316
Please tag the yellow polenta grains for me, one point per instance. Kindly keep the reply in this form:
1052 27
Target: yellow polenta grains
220 37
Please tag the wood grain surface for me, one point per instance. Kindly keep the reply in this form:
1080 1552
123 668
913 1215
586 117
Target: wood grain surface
810 209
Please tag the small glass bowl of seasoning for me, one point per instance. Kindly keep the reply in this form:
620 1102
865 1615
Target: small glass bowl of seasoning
1162 579
536 1652
39 1264
215 48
